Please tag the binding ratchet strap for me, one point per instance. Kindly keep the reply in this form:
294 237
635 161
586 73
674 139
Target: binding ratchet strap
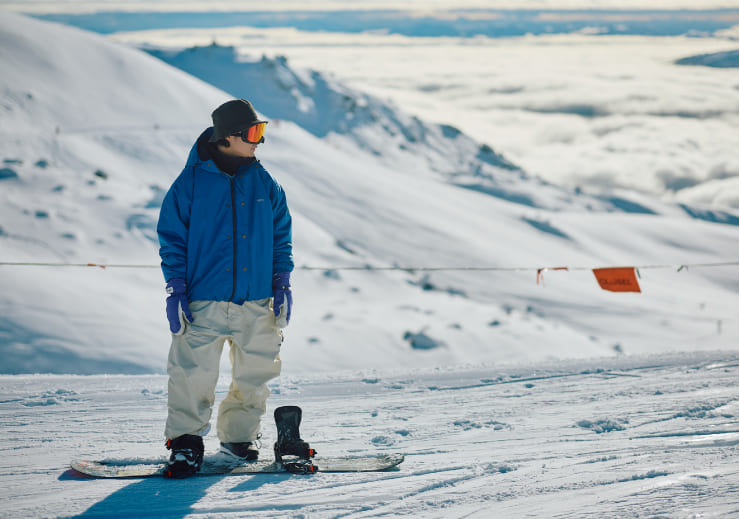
300 467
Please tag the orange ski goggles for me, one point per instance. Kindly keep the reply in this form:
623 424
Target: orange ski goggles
255 133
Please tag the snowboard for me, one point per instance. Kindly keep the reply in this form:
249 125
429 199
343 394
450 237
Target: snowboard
220 464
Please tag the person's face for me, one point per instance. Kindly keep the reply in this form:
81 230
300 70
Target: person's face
239 147
245 143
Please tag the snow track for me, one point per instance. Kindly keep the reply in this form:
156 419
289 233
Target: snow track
624 437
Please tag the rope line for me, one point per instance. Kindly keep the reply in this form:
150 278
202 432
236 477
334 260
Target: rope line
539 270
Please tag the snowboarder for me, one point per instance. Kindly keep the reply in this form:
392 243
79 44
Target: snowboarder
226 246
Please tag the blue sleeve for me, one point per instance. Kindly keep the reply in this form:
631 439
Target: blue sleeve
173 226
282 255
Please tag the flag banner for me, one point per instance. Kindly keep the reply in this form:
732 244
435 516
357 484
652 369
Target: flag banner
617 279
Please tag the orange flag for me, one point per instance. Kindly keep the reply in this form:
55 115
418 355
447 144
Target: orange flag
619 279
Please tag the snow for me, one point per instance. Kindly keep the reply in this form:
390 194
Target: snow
626 437
505 395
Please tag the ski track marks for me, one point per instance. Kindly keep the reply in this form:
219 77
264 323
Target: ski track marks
603 438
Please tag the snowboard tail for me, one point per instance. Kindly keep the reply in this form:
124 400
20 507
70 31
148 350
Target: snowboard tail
215 464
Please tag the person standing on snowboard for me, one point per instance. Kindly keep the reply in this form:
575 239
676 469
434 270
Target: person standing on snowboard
226 247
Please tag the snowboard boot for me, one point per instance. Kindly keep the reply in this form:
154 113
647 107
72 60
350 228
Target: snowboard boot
186 458
289 443
244 451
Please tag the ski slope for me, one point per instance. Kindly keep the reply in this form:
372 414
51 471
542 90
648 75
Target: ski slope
629 437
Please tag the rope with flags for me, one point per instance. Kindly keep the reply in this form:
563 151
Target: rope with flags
614 279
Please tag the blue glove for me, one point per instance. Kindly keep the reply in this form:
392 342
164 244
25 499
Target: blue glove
283 298
178 309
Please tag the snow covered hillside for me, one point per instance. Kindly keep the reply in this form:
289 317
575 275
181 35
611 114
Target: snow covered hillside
328 109
94 132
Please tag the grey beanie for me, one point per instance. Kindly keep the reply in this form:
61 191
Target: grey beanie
233 117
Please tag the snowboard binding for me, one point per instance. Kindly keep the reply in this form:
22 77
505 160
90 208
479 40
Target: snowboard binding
290 445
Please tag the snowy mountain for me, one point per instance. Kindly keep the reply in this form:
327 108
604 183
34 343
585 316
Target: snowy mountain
328 109
585 111
94 132
726 59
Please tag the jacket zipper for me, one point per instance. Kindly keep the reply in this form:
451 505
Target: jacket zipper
233 235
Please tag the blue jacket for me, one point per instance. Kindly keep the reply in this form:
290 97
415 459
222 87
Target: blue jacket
225 236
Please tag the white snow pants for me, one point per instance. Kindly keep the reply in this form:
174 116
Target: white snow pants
194 357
